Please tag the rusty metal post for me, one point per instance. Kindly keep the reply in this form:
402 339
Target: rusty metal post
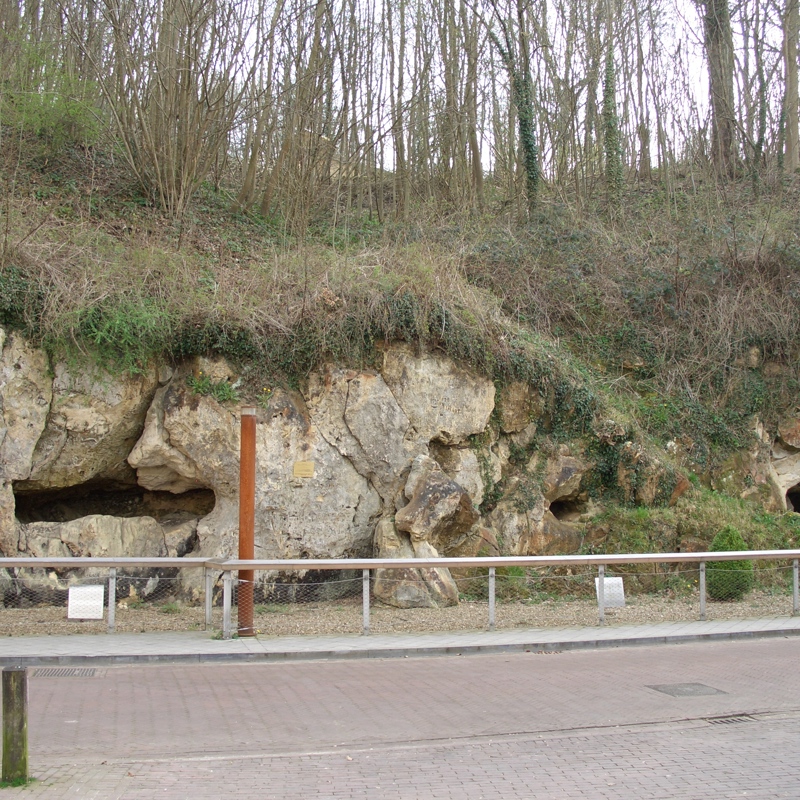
209 597
247 516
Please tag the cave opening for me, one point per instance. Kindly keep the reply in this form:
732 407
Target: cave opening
567 510
793 499
65 505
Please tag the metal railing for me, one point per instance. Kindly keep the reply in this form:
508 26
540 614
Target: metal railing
121 569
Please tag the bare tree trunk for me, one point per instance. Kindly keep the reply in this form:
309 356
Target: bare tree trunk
791 26
643 121
719 53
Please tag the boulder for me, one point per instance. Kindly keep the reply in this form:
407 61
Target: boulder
439 511
159 465
563 476
442 401
408 587
95 536
462 466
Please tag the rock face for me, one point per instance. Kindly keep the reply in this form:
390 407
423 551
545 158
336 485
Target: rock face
66 429
97 536
408 460
518 405
443 402
358 415
25 395
93 421
785 464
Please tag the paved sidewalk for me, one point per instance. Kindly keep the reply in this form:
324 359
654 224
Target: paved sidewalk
106 649
707 720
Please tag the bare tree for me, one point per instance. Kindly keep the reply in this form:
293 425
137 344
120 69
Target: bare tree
791 28
514 51
718 39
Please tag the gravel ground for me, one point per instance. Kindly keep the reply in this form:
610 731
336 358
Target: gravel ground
344 616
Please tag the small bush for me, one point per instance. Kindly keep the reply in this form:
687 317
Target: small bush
221 391
729 580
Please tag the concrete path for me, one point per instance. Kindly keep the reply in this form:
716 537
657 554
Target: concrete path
709 719
201 646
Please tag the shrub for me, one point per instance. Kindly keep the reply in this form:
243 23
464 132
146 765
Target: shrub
221 391
728 580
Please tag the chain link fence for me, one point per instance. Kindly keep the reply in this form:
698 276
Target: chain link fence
324 601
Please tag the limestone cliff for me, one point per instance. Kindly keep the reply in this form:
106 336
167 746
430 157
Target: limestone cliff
418 457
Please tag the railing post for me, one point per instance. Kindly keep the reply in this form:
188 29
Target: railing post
15 725
491 597
209 596
227 584
702 590
365 602
112 599
795 588
601 594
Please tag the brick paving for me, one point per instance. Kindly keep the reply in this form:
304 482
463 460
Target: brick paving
579 724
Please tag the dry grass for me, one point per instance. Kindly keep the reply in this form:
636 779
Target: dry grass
344 617
679 287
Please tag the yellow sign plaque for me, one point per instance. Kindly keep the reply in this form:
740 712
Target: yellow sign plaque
303 469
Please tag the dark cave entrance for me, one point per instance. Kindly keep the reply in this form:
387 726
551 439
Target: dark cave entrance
65 505
568 510
793 499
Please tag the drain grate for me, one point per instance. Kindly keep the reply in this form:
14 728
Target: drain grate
65 672
730 720
686 689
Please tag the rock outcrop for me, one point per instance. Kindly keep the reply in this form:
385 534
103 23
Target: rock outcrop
93 421
409 460
785 464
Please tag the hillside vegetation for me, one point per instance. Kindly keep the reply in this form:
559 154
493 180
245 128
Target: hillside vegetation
682 314
174 184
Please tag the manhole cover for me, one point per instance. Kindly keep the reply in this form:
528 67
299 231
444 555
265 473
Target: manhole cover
65 672
686 689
